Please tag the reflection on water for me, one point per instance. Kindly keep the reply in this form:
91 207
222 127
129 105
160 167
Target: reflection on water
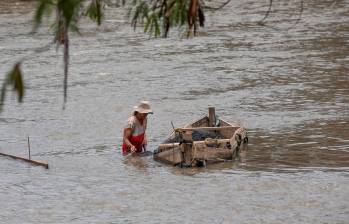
139 161
289 87
315 144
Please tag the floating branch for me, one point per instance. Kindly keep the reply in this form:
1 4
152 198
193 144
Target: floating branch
34 162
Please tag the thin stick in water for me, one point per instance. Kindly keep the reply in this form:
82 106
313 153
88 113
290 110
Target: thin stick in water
29 148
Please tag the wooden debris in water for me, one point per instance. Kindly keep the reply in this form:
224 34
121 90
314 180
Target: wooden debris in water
34 162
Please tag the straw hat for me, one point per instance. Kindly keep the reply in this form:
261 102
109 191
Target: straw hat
143 108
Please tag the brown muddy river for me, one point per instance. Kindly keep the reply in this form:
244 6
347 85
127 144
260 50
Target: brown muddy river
288 84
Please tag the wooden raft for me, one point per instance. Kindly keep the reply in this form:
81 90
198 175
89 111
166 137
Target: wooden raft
183 147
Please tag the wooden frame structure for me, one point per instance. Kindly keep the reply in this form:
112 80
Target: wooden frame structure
182 148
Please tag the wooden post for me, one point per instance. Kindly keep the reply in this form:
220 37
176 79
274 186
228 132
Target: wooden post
212 116
29 148
186 153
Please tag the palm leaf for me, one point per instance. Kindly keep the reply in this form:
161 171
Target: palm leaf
14 79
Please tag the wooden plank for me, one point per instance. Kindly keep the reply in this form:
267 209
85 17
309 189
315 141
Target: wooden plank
203 122
34 162
187 154
227 133
208 128
202 152
168 145
173 156
208 141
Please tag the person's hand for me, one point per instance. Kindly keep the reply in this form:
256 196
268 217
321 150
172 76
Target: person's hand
133 148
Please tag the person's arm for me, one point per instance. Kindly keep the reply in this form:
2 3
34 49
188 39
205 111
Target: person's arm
145 140
127 135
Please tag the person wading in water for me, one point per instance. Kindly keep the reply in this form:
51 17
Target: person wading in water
134 139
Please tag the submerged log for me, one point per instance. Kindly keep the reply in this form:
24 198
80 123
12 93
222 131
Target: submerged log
34 162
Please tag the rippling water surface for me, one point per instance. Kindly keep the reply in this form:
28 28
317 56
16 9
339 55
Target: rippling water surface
287 84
